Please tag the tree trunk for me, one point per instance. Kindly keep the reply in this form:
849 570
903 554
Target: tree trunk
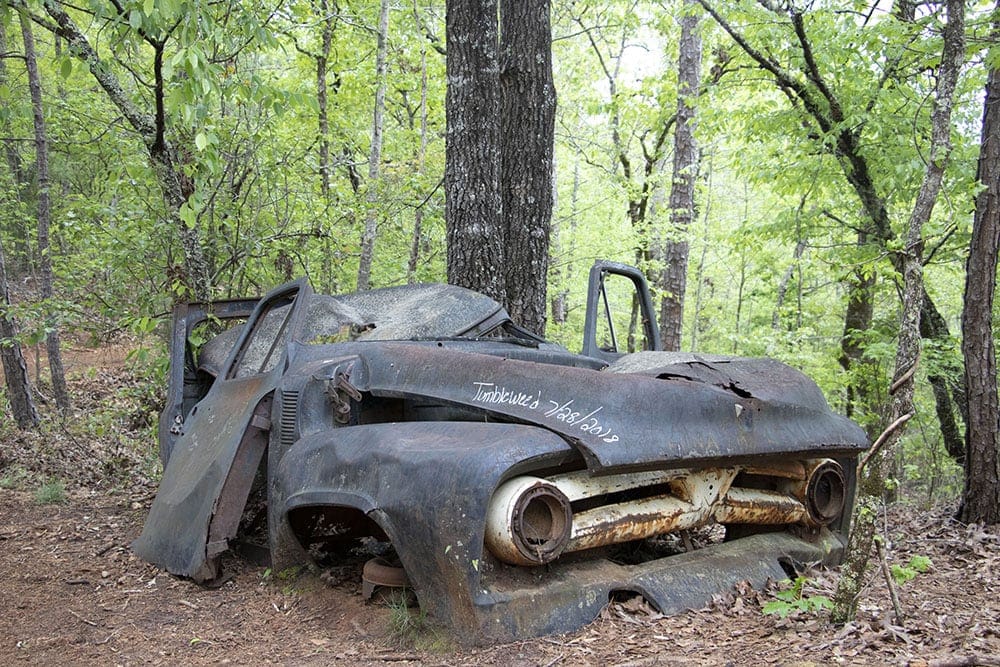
699 273
375 154
15 371
873 476
56 370
949 390
323 120
418 214
857 322
471 179
21 262
981 498
674 252
527 126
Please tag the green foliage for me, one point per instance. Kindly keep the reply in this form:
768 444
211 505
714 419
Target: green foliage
52 492
903 574
404 623
15 478
411 627
791 600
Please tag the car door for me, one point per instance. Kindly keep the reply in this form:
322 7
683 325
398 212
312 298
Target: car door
210 472
620 315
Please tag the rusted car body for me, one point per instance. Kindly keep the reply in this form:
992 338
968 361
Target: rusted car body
520 485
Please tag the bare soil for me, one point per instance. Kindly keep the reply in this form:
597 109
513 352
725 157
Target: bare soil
72 592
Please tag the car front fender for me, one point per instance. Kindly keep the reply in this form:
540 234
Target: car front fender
427 485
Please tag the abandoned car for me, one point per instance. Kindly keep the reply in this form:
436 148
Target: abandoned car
519 485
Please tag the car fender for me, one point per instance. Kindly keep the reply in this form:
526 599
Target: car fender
426 484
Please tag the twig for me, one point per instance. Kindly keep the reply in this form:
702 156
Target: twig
893 595
106 639
81 618
881 440
398 657
903 379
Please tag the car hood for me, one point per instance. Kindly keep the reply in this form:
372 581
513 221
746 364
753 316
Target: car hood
671 411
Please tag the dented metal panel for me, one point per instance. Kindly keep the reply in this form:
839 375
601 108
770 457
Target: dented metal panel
175 535
210 470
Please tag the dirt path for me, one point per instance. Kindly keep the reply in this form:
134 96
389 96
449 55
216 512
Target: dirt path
71 591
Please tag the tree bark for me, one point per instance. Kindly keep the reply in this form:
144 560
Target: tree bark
56 371
857 322
375 154
674 250
322 97
18 232
981 497
322 60
527 127
473 219
15 371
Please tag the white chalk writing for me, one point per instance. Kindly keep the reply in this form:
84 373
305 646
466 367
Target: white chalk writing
565 412
487 392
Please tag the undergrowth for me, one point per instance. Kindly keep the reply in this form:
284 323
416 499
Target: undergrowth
107 440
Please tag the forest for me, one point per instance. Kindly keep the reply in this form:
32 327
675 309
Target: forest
812 181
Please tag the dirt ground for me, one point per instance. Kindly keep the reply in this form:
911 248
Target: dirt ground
72 592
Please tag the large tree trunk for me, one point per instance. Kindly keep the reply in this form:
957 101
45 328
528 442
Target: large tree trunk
375 154
981 498
528 107
674 252
871 484
44 215
15 371
471 180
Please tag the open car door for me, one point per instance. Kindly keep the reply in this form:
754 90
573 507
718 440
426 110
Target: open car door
221 443
620 316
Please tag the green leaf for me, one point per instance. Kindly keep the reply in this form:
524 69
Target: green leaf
135 19
201 141
921 563
66 68
779 607
187 216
